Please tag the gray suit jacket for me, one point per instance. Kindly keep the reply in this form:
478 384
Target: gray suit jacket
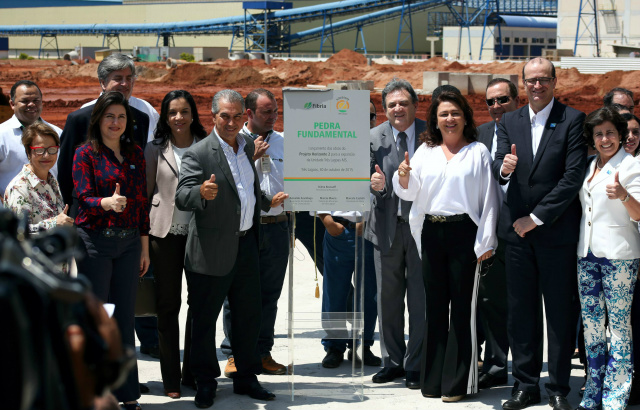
212 245
162 182
381 226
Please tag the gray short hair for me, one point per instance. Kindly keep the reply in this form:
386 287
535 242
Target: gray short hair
395 85
231 96
114 62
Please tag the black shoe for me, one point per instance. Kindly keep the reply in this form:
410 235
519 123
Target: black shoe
204 396
370 359
153 351
521 399
143 388
253 390
488 380
412 380
332 359
388 374
559 403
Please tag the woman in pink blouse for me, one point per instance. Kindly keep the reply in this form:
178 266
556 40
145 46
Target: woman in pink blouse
35 190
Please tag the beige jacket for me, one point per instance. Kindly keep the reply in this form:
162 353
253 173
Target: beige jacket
162 181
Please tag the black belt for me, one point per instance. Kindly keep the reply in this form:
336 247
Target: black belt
273 219
344 222
449 218
119 233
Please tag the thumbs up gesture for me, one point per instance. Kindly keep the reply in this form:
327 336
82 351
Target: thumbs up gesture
115 202
209 189
63 219
616 190
403 171
378 179
510 161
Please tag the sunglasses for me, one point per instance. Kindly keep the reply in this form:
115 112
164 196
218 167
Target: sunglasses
542 80
41 150
372 116
500 100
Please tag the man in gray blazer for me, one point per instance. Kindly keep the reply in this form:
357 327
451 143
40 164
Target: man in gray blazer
219 184
397 263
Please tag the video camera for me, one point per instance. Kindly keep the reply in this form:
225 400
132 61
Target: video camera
37 304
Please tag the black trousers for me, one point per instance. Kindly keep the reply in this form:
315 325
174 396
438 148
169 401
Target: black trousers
167 256
449 359
533 270
112 265
206 295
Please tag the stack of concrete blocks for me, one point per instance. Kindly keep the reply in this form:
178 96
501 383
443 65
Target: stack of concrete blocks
351 85
467 83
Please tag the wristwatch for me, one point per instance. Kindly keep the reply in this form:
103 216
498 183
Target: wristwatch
626 198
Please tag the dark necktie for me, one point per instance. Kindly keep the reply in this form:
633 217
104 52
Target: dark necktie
404 205
402 138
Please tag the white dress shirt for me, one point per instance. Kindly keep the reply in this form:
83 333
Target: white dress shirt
243 178
462 185
146 108
270 167
411 147
538 121
12 153
606 227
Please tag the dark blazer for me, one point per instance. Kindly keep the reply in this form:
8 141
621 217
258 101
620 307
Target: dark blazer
485 134
548 185
212 245
74 134
381 225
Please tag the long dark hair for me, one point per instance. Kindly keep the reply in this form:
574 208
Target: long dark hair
432 136
163 135
94 136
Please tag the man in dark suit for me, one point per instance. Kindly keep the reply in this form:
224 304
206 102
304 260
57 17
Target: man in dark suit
219 183
502 97
541 153
397 263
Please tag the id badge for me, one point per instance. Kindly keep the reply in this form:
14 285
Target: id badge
265 164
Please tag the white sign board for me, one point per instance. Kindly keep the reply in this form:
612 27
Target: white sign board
326 147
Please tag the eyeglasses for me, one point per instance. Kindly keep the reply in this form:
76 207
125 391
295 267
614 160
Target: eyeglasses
53 150
544 81
372 116
500 100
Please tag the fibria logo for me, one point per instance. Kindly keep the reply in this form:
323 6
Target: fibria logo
311 105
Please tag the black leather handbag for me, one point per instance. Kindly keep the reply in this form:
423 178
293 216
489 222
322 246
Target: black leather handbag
146 297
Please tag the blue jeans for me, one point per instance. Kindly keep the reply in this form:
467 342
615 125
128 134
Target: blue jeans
339 265
274 257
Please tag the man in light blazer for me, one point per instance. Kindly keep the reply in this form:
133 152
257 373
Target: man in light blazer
542 154
397 263
219 184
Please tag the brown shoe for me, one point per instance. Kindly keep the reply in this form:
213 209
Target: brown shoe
230 369
270 366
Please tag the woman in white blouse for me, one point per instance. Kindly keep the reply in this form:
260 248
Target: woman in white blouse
453 221
179 128
608 259
35 190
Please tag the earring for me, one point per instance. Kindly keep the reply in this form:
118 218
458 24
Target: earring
437 127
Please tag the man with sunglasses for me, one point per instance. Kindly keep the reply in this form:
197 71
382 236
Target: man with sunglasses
26 102
502 97
542 155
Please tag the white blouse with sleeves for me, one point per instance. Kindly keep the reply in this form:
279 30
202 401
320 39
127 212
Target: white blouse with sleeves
462 185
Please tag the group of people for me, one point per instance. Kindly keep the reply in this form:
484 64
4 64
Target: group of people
475 225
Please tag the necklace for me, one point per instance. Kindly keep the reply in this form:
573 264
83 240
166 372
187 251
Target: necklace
598 166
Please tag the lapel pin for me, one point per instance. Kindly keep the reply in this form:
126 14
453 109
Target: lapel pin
132 166
552 125
608 172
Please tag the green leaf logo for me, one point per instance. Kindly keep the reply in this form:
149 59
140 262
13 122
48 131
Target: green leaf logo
307 106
